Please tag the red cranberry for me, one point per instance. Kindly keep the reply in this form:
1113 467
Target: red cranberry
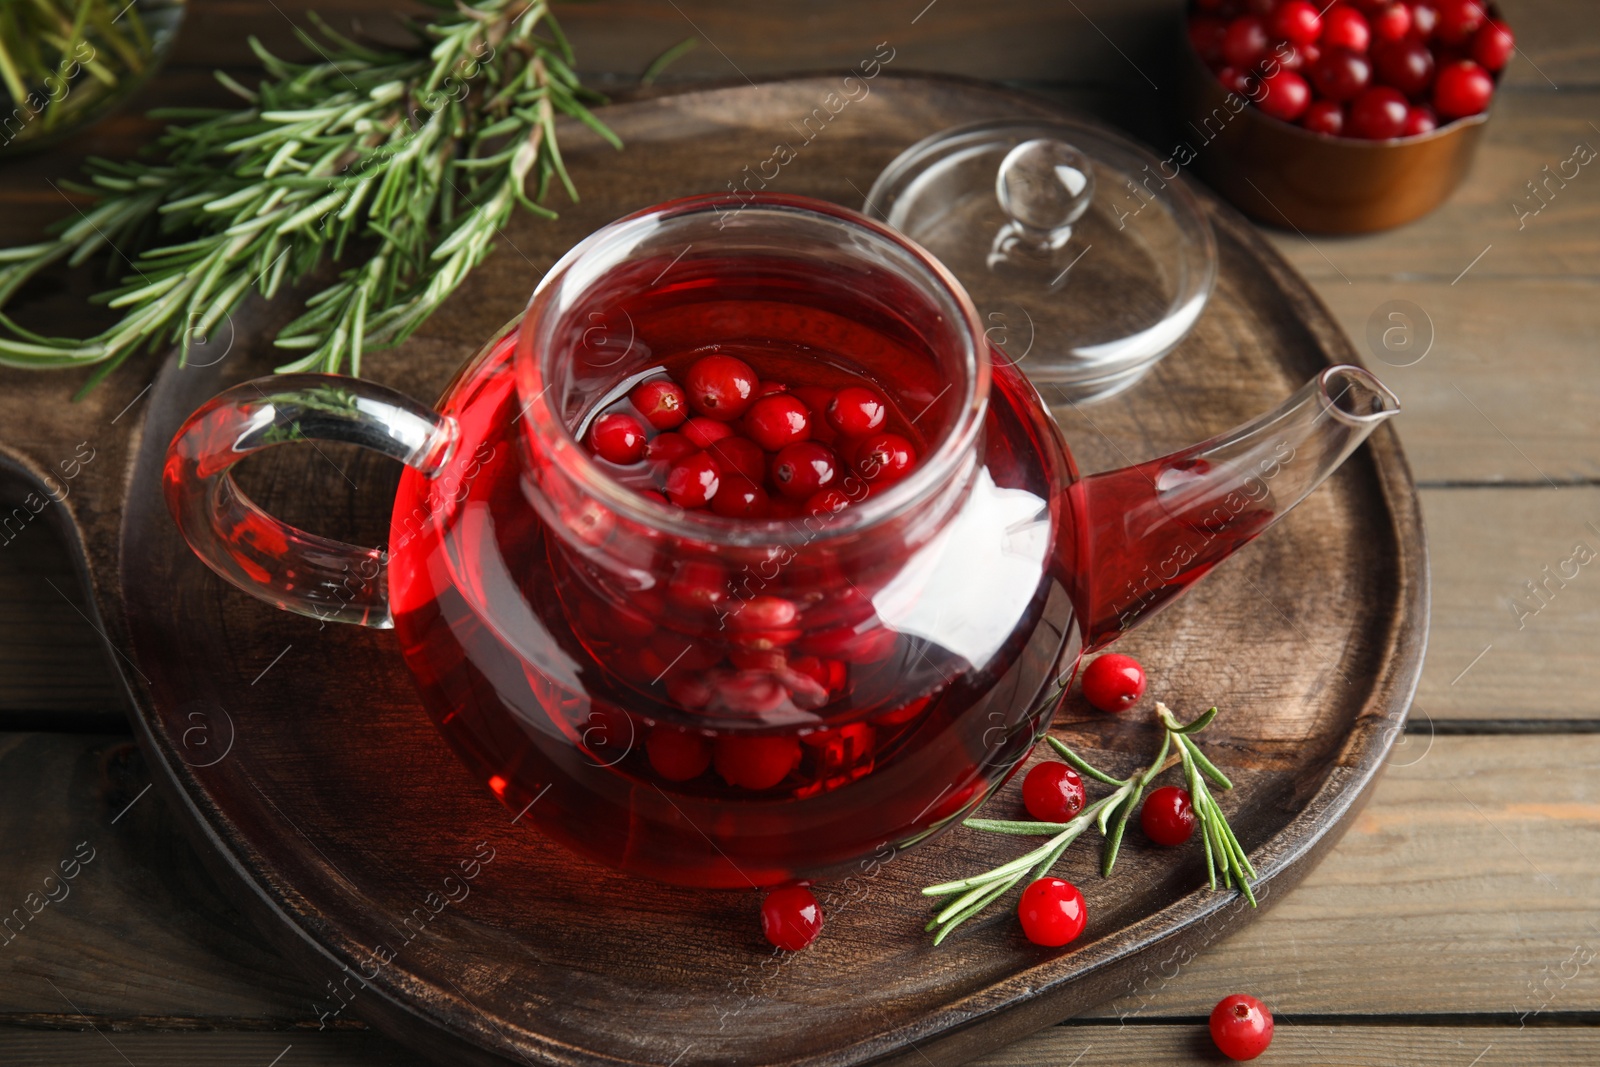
1462 88
803 468
1493 44
698 585
669 447
826 502
1391 22
739 455
704 432
775 421
1378 114
755 762
1241 1026
856 411
1297 21
1424 20
1341 74
791 918
1234 80
1205 37
720 387
651 494
1419 120
739 498
1053 792
1052 912
1286 97
1459 20
830 674
1324 116
1405 65
1245 42
770 389
1344 27
764 613
661 402
1113 683
677 755
885 457
693 481
617 438
1168 816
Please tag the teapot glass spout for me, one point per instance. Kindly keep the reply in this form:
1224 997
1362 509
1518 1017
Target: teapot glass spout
1151 530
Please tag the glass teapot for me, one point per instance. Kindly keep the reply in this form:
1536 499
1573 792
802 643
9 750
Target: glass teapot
738 702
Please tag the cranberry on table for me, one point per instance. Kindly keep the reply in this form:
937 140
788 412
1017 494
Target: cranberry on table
1459 20
677 755
1391 22
1052 912
1341 74
791 918
801 469
1405 65
755 762
617 438
704 432
739 498
778 420
720 387
856 411
1378 114
1493 44
1053 792
693 481
1245 43
1324 116
1286 96
669 447
1241 1026
1168 816
1113 682
1462 88
885 457
1344 27
661 402
1419 120
1297 21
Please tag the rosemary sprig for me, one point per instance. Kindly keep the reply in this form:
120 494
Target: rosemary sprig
1110 814
410 162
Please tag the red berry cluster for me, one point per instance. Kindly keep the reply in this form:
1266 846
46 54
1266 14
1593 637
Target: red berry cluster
725 441
1371 69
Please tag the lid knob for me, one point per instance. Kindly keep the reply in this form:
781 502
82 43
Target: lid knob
1044 186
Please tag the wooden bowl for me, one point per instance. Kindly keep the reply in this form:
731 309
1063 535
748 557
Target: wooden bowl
1284 175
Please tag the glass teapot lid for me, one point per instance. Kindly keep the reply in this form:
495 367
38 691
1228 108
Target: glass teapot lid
1087 258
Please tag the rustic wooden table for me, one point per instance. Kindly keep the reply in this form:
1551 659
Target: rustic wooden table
1455 924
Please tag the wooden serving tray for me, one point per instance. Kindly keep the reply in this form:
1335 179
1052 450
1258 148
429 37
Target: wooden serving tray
313 781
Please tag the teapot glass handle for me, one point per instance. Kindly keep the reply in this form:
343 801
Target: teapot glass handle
266 557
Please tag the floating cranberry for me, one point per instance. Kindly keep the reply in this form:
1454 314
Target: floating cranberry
1341 74
1205 35
830 674
856 411
764 613
1405 65
677 755
791 918
704 432
1053 792
755 762
1052 912
827 502
617 438
720 387
1462 88
775 421
1344 27
739 455
1113 682
1286 97
1493 44
1459 20
651 494
661 402
1168 816
1245 42
693 481
669 447
1391 22
885 457
1378 114
1297 22
770 389
698 585
1324 116
1419 120
801 469
1241 1026
739 498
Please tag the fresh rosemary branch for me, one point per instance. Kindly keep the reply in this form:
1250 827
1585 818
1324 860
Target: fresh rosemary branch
1110 814
410 164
